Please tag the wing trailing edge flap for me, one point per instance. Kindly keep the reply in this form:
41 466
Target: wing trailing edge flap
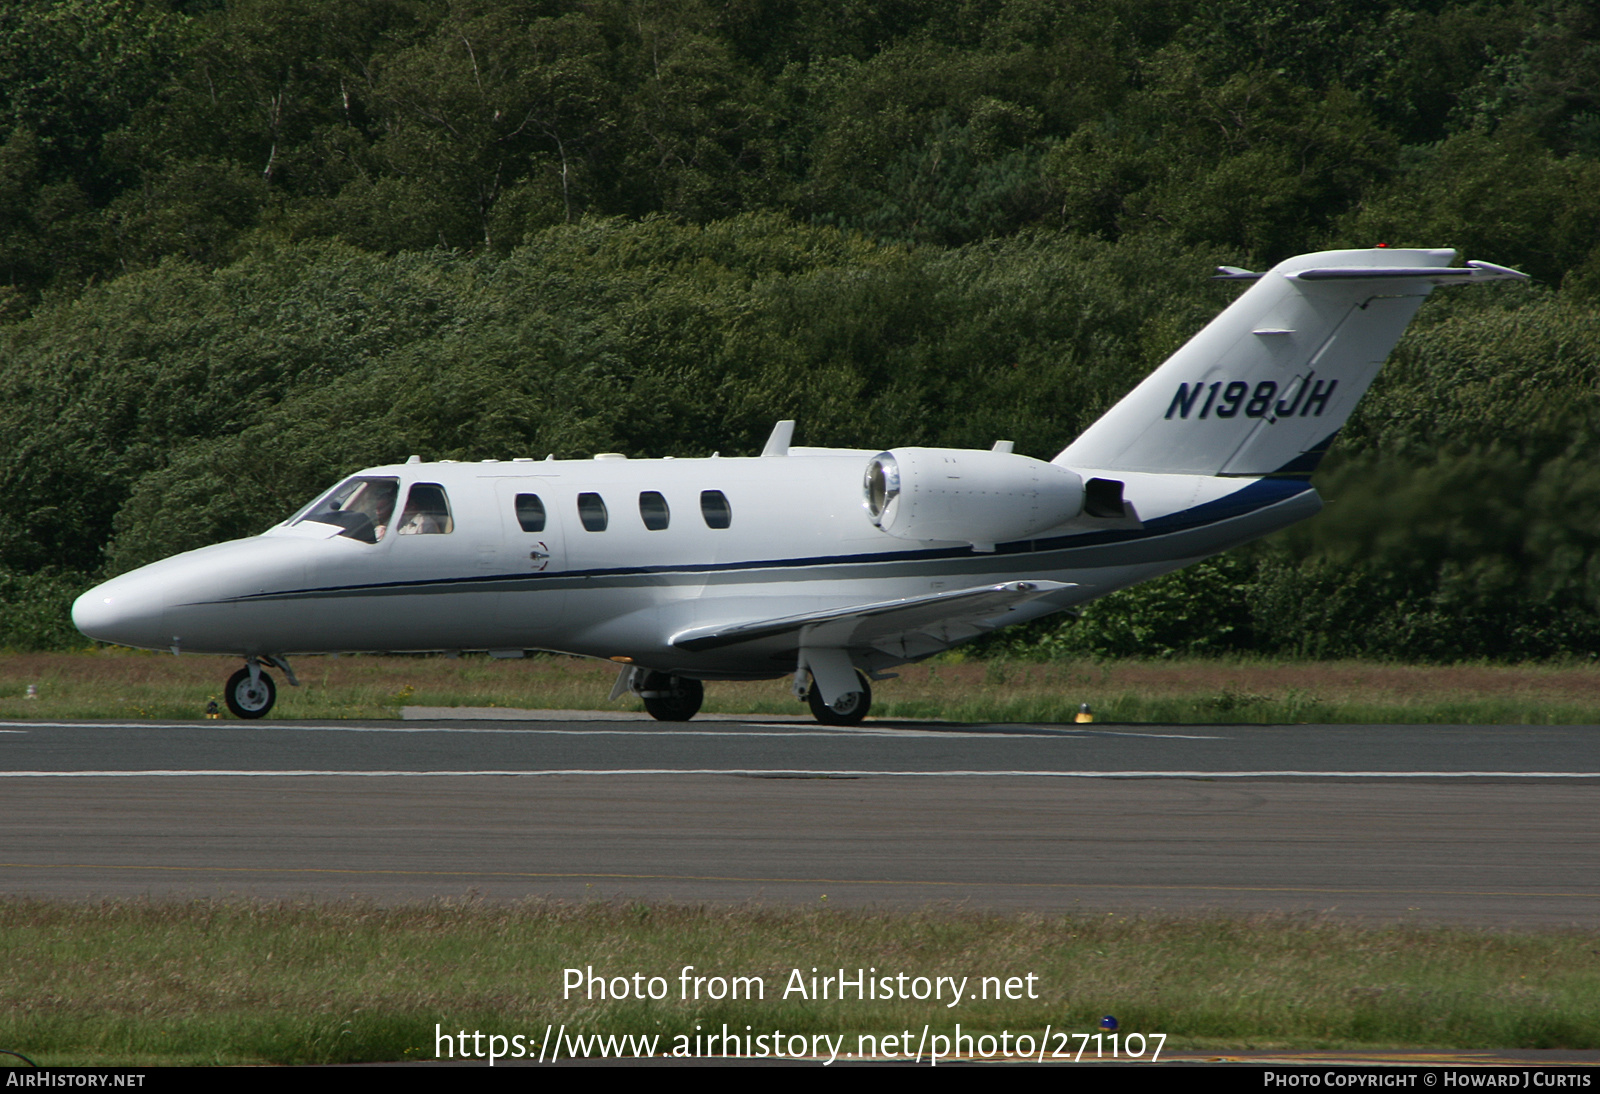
909 627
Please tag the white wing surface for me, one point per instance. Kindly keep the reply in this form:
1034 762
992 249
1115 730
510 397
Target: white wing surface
908 627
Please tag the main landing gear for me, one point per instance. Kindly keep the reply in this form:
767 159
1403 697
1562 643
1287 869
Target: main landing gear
850 709
671 698
250 692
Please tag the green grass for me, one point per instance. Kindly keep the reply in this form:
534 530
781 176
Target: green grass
139 983
111 683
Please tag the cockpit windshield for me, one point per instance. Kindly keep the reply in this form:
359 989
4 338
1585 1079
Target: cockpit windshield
360 508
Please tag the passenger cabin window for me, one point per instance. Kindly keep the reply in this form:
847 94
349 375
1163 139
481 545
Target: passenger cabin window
592 511
714 507
653 508
359 508
530 512
427 511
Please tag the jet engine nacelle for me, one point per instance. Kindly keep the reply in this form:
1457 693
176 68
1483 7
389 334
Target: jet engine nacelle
970 495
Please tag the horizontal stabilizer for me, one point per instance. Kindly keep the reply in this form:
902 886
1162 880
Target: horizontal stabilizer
1449 275
935 621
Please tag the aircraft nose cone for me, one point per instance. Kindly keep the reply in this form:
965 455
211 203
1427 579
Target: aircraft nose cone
121 613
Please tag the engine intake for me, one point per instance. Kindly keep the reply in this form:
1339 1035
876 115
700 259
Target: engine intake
968 495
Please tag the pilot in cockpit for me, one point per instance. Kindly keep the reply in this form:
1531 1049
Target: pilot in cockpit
427 512
360 508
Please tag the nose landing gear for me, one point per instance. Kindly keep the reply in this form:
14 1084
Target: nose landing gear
250 692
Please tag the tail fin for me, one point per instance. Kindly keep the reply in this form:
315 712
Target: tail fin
1266 386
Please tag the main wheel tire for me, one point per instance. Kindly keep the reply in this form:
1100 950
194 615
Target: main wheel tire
850 708
672 698
249 699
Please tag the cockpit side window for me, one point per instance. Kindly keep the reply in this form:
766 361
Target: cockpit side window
427 511
360 508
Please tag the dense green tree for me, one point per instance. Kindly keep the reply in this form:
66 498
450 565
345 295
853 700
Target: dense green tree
1463 500
49 233
702 138
498 96
1437 62
73 71
1501 195
1550 85
1255 162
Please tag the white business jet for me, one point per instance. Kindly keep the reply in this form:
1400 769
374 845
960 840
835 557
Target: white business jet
832 565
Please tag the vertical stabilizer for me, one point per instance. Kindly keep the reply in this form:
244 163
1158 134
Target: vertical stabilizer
1264 388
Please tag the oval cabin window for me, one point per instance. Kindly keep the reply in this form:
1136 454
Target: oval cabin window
592 511
715 508
653 510
530 512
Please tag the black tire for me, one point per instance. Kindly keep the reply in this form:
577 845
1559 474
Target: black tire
672 698
248 700
850 709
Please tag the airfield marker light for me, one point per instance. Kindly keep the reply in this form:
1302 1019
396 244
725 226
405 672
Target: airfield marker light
212 710
1084 713
33 692
1109 1024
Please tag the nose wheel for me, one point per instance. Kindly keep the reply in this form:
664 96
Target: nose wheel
250 692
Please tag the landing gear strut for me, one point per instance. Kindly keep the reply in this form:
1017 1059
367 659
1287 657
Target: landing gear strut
848 711
250 692
671 698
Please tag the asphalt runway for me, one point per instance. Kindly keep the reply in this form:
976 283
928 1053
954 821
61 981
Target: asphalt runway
1494 825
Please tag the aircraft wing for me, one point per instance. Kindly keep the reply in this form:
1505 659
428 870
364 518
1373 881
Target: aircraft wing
908 627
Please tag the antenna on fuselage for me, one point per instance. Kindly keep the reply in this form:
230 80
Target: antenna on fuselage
778 443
